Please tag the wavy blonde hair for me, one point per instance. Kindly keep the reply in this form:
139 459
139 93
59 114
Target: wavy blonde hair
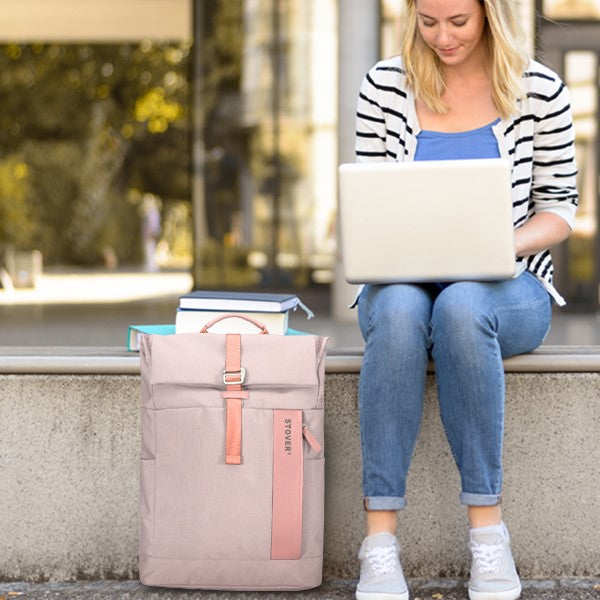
506 50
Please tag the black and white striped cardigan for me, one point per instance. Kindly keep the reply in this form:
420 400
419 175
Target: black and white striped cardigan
539 142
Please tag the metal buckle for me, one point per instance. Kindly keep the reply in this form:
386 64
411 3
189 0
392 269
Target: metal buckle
241 376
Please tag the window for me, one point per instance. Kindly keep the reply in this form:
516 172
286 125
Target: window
99 222
581 75
270 143
572 9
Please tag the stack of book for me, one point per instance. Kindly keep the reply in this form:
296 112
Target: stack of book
199 308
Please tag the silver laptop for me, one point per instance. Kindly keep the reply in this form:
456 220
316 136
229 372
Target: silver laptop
426 221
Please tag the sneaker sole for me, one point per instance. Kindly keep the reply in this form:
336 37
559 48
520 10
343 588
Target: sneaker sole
381 596
511 594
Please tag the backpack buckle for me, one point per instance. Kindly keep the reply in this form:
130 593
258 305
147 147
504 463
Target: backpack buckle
241 376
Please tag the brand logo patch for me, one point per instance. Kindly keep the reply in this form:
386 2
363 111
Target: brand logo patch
287 436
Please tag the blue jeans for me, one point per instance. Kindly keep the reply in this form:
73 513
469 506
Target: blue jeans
467 328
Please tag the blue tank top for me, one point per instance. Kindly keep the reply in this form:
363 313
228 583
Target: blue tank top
475 143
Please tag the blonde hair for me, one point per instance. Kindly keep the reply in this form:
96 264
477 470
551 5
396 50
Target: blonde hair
505 47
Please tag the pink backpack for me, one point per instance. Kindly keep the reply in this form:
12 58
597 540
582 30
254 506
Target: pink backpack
232 463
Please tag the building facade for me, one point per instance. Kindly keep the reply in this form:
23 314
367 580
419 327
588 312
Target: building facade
270 115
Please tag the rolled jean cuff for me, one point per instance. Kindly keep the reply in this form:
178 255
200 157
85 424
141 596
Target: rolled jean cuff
480 499
384 503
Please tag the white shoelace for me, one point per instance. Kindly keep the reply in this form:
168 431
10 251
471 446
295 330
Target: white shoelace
382 559
487 557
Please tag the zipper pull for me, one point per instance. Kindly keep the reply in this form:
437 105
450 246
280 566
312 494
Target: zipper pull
311 439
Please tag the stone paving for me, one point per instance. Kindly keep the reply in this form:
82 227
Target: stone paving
332 589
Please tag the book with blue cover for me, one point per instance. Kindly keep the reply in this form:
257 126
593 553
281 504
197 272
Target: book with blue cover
238 301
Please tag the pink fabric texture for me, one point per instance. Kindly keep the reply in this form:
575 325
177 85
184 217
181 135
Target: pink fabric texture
288 463
206 524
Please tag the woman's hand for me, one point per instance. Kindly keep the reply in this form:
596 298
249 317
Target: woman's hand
541 232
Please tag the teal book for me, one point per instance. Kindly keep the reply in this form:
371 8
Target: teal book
291 331
133 334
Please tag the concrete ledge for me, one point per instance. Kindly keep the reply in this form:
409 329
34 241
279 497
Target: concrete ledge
110 360
69 448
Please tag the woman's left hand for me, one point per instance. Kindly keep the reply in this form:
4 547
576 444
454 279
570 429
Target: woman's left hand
541 232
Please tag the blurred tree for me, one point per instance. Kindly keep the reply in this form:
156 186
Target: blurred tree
17 228
95 126
89 122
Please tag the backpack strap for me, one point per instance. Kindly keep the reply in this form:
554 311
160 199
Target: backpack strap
233 377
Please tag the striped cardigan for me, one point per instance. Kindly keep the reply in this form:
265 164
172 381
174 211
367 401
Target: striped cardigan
538 141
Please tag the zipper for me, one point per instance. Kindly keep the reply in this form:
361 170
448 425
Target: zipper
311 439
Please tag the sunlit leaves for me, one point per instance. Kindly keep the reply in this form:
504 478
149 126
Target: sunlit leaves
157 111
16 225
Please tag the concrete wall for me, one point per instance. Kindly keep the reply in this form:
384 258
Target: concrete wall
69 447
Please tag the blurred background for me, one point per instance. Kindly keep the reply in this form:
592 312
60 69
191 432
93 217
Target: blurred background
148 147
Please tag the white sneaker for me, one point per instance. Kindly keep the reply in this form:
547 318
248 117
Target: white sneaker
381 576
493 572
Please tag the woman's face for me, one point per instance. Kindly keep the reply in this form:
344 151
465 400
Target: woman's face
453 29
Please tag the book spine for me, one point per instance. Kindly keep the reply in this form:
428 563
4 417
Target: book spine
230 305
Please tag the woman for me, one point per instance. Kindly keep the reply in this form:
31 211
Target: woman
462 88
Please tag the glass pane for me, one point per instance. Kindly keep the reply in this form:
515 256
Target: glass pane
96 151
87 213
572 9
270 137
391 21
87 131
581 75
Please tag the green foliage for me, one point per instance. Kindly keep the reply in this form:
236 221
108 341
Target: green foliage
88 123
96 126
16 225
54 189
